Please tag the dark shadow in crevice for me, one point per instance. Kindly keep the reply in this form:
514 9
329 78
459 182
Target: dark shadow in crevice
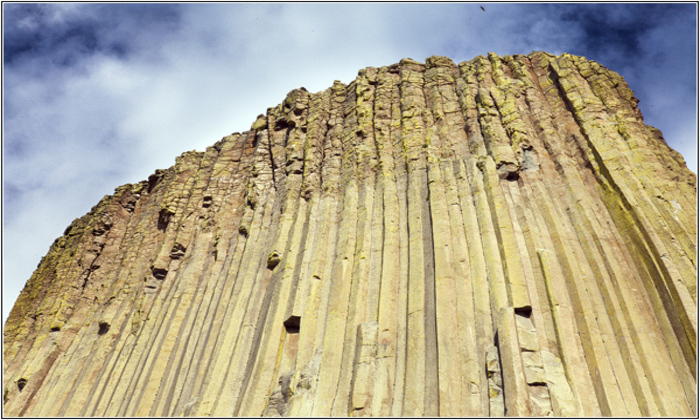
291 325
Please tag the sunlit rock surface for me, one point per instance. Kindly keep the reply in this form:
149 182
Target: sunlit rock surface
500 237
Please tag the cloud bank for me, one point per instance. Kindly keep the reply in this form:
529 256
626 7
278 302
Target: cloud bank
99 95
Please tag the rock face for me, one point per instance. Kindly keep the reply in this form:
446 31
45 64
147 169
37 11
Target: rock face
500 237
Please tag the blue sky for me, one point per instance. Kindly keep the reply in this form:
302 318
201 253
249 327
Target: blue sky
99 95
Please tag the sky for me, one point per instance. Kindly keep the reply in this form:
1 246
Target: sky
99 95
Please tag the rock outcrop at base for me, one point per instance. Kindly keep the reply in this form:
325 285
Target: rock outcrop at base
500 237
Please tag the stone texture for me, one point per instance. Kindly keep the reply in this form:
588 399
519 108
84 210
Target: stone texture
504 236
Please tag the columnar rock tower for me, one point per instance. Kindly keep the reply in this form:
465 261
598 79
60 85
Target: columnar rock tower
502 236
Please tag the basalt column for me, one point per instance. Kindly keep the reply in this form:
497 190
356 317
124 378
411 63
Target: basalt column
504 236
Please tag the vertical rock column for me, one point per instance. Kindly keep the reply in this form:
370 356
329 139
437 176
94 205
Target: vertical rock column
502 237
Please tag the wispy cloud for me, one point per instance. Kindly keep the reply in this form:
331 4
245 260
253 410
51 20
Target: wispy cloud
99 95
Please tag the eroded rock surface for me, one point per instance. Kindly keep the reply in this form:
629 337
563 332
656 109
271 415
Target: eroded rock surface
502 236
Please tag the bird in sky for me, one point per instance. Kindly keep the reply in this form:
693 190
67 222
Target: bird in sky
482 8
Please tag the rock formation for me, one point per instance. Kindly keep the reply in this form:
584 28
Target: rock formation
500 237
